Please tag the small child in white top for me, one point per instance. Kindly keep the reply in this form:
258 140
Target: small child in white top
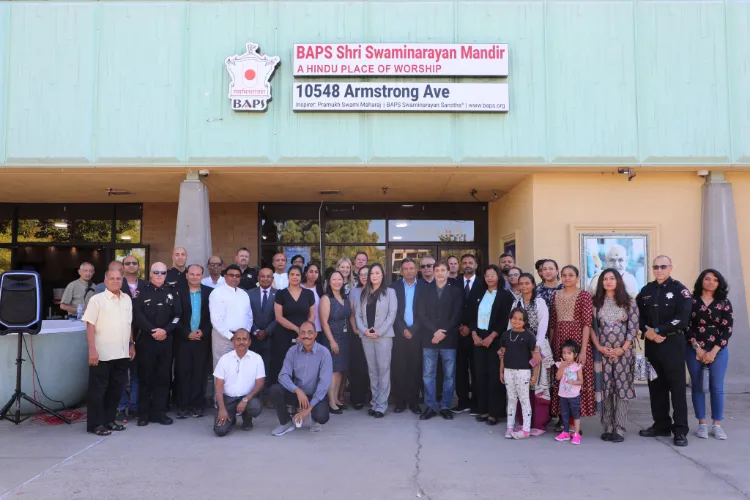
570 375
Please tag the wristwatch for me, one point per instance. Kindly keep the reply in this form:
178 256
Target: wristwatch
244 400
695 346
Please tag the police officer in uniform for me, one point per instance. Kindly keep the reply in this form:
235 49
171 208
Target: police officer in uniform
157 315
248 275
177 275
665 306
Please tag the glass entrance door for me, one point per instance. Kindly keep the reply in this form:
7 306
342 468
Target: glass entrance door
415 252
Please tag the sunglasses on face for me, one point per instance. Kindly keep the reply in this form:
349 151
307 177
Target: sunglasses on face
426 266
130 264
663 267
233 275
159 272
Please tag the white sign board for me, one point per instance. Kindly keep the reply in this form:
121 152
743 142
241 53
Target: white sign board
250 73
400 59
400 96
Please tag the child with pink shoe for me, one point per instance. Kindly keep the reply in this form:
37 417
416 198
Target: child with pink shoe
570 375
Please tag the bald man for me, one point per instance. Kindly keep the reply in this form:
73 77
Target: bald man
617 259
79 291
177 275
157 316
115 265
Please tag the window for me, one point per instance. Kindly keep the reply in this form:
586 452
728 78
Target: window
138 253
5 256
374 254
355 231
290 231
128 223
446 231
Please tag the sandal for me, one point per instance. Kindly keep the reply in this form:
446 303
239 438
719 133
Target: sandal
100 431
114 426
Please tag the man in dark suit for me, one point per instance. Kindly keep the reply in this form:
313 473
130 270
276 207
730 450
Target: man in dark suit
439 315
195 344
132 285
262 299
406 359
472 288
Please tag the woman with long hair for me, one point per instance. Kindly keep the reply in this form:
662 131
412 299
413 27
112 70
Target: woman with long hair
334 319
344 266
487 325
615 329
375 317
550 281
294 305
513 274
711 323
358 372
538 324
313 281
571 311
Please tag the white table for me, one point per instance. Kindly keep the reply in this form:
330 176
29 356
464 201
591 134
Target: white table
60 356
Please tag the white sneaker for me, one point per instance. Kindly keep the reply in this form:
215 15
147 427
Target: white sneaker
283 429
718 432
702 431
316 427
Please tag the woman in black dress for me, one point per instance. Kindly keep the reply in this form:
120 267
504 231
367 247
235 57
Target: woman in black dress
294 305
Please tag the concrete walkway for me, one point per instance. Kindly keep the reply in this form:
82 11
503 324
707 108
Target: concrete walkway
357 457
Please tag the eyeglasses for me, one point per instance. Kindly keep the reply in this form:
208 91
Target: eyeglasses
663 267
130 263
426 266
233 275
513 275
214 264
159 272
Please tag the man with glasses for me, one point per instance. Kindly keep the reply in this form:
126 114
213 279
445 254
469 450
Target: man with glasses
472 290
177 275
214 278
79 292
157 315
132 285
240 377
427 269
665 305
249 275
230 311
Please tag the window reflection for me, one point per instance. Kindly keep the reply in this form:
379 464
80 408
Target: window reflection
355 231
431 230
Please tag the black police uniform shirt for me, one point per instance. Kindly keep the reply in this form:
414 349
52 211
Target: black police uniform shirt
158 307
664 307
176 278
249 279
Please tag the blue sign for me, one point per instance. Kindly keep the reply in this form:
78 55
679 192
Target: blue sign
290 252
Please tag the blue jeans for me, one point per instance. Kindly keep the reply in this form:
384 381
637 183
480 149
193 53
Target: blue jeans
429 374
130 386
570 407
717 370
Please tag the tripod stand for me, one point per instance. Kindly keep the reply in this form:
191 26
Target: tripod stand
18 395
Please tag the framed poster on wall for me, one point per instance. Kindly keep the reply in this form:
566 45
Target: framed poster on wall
626 252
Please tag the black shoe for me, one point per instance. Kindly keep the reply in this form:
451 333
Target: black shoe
415 409
343 407
358 406
197 413
181 415
142 422
491 421
247 425
459 409
653 432
371 412
607 436
427 414
163 420
680 440
446 414
335 411
481 418
398 409
379 414
114 426
617 438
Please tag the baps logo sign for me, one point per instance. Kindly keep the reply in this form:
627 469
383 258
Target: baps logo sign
251 72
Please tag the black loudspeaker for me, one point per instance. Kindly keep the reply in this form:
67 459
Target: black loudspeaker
20 302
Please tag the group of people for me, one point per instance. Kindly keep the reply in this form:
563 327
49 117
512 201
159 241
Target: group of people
504 346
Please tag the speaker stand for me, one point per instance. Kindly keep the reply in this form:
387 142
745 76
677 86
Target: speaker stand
18 395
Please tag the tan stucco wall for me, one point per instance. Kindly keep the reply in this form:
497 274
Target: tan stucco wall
741 191
512 216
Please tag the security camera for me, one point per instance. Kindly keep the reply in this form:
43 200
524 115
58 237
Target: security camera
703 173
203 172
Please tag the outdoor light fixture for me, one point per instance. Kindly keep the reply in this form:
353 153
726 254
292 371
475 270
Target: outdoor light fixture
626 171
396 237
402 224
61 224
126 237
407 206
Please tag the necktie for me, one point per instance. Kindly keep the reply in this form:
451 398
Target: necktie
264 301
467 289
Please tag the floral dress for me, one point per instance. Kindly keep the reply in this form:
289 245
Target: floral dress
615 326
711 325
569 315
546 293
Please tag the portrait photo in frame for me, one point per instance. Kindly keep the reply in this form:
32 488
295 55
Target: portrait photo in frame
627 252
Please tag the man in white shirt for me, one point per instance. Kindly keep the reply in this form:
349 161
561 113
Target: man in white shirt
229 306
108 319
214 278
280 277
239 379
